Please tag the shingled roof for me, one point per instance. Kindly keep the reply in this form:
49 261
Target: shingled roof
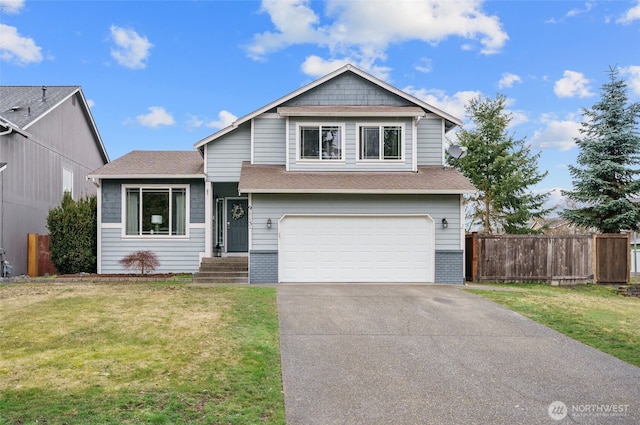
427 180
153 164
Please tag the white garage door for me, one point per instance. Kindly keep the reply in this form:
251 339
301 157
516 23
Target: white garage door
356 248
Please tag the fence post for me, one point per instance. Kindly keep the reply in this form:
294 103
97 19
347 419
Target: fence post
594 260
32 254
474 256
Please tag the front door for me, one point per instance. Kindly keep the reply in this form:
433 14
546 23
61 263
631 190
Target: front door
237 225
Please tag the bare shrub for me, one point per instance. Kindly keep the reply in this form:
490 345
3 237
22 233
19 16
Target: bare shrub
145 261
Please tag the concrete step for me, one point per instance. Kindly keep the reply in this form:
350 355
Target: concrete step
223 270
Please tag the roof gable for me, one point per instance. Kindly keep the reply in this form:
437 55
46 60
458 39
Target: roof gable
338 76
23 106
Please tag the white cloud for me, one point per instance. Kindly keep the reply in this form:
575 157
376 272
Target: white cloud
633 77
131 50
454 105
576 11
315 66
225 119
16 48
90 103
556 134
424 65
508 80
11 7
631 15
572 84
366 29
156 117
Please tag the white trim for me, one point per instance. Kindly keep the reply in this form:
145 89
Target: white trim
252 138
250 222
287 140
414 143
442 148
380 125
366 191
145 176
320 160
99 229
123 212
208 218
351 111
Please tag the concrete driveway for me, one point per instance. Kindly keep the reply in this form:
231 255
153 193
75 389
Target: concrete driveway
414 354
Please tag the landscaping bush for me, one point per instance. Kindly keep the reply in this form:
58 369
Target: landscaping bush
145 261
73 235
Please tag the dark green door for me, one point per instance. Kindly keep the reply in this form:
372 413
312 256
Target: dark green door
237 225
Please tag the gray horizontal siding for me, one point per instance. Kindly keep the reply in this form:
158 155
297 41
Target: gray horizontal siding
112 197
175 255
226 154
275 206
348 89
430 141
269 141
351 146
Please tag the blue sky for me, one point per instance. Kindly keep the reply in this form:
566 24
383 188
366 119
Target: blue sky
161 75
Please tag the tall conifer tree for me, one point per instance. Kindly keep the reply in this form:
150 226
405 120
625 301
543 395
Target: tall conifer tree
501 168
605 179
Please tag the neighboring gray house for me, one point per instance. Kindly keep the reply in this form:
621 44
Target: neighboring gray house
342 180
49 143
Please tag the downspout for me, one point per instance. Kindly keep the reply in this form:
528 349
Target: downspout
9 130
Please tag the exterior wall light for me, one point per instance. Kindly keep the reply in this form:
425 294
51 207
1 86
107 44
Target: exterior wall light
445 223
269 223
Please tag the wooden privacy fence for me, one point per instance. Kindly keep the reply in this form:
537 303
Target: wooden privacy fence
555 259
39 258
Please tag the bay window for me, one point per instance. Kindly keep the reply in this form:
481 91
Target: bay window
156 211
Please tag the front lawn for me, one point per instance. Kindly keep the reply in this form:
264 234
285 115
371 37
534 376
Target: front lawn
139 353
592 314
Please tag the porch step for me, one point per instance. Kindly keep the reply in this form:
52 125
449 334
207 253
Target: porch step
223 270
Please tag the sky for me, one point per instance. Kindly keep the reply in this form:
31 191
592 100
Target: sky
162 75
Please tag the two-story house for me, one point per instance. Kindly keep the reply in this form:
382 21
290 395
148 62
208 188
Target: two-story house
49 142
342 180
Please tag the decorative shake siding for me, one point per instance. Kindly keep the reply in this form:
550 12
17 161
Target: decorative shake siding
348 90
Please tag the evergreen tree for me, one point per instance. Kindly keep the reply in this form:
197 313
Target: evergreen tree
73 234
501 168
605 179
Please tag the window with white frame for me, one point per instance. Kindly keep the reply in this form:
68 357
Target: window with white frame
321 142
156 211
380 142
67 181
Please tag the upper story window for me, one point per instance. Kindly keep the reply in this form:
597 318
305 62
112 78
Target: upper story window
380 142
67 181
321 142
157 211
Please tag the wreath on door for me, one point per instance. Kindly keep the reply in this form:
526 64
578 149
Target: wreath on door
237 212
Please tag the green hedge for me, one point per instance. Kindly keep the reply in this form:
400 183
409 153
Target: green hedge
73 235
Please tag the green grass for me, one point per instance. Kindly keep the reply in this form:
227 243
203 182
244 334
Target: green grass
139 353
592 314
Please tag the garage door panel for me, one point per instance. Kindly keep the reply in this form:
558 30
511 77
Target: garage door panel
368 248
